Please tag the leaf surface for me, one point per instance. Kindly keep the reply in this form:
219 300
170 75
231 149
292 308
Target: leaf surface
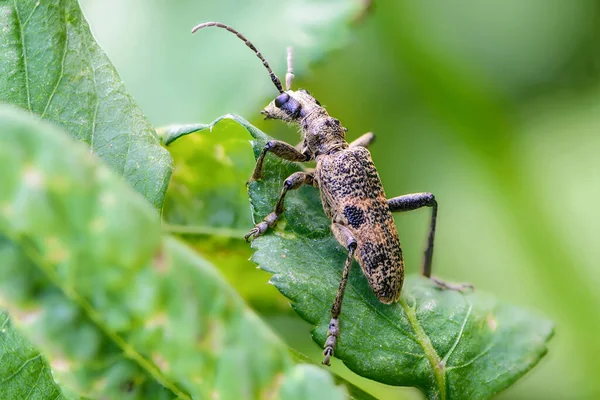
51 65
449 344
119 310
308 382
25 374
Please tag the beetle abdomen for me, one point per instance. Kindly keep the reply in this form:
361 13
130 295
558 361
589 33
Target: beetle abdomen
352 195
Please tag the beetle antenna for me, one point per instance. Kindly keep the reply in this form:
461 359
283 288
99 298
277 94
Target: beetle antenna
289 77
274 77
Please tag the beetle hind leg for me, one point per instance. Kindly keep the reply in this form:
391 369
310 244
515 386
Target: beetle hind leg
415 201
345 238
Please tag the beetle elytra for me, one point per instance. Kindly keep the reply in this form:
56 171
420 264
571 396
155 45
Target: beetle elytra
351 193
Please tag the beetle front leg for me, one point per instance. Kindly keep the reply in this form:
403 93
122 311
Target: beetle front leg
294 181
280 149
415 201
345 238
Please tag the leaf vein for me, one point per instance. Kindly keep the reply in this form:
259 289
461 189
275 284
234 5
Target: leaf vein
128 351
24 49
96 106
8 378
62 66
460 333
431 354
471 361
35 384
31 14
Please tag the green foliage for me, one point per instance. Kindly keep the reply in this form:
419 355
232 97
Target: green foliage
207 194
51 65
219 74
119 310
24 373
123 311
207 205
308 382
447 343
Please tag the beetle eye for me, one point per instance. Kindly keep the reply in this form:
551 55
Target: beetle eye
281 99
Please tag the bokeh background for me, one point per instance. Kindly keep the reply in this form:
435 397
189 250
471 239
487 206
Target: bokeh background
494 106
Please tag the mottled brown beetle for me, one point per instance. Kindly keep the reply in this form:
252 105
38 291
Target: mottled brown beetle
351 192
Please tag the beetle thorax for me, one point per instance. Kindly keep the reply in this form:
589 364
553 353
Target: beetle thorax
322 133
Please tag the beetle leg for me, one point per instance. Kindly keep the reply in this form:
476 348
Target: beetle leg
301 147
415 201
294 181
364 140
345 238
280 149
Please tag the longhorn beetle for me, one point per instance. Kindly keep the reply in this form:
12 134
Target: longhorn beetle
351 192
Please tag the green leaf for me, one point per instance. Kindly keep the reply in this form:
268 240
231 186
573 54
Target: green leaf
207 194
51 65
354 392
449 344
308 382
25 374
207 205
119 310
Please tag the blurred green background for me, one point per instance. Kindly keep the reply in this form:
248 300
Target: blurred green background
492 106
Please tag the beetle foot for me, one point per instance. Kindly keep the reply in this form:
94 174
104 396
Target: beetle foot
333 332
262 227
452 286
258 230
328 353
253 233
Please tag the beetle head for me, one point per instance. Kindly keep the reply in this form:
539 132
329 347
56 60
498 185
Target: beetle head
291 106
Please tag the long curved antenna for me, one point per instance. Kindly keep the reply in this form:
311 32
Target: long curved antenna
289 76
274 77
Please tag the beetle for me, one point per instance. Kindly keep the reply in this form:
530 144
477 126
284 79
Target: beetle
351 193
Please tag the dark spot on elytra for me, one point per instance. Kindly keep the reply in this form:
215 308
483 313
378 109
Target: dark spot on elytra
355 216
